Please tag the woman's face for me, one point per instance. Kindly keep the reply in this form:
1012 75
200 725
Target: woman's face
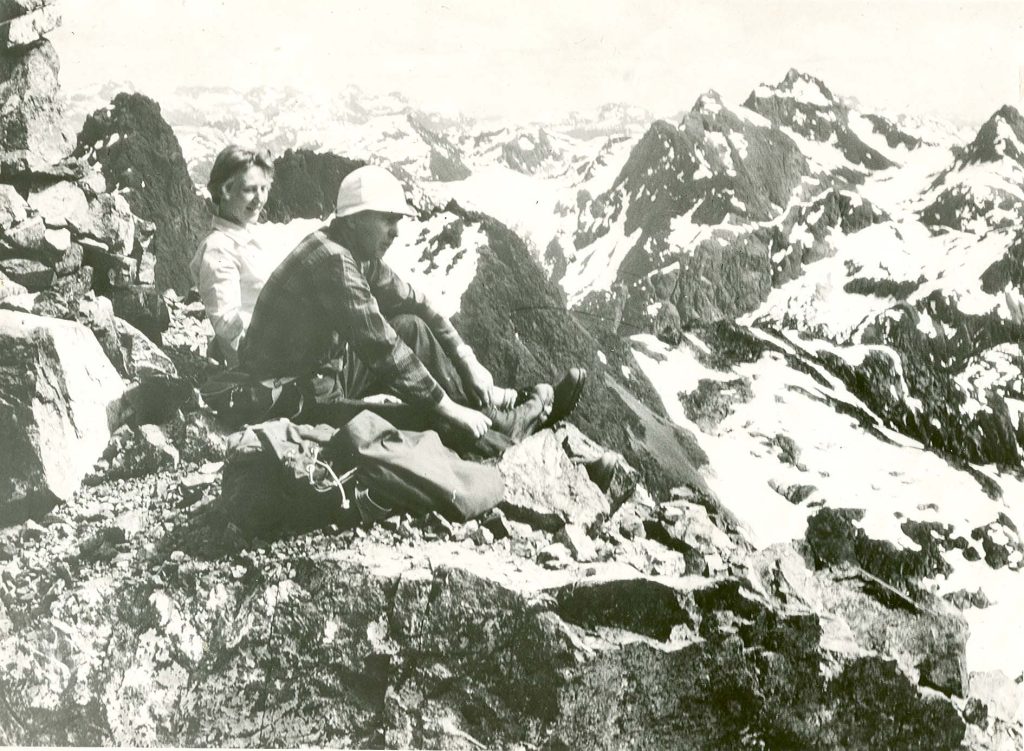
245 195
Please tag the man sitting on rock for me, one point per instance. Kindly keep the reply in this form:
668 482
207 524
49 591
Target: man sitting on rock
337 325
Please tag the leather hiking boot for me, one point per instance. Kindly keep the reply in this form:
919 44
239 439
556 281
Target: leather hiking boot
526 417
567 396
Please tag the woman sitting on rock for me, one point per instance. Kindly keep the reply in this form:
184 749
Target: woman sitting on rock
230 267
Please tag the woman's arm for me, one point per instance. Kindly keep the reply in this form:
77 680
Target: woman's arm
219 288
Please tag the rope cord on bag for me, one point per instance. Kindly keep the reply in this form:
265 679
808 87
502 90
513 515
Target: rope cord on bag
322 485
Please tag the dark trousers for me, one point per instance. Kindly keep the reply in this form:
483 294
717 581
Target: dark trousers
336 394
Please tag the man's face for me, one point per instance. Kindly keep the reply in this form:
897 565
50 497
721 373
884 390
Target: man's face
375 231
245 195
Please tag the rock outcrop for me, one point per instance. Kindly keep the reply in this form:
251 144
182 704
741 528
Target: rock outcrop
31 111
61 234
140 157
424 633
306 185
59 401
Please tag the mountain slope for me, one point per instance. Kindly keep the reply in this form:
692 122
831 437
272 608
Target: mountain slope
801 104
984 186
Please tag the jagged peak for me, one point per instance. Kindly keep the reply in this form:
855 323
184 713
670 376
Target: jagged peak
801 86
793 75
1011 115
1002 135
709 102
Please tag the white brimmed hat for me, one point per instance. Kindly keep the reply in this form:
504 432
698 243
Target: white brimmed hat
371 188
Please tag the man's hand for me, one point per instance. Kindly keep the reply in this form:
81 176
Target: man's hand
477 381
463 418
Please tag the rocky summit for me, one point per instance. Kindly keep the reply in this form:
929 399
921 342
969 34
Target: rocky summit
786 513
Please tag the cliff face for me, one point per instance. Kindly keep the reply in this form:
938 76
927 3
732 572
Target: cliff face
140 156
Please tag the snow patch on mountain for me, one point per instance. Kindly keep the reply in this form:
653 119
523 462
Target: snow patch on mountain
900 252
982 188
866 131
784 434
524 203
596 267
438 257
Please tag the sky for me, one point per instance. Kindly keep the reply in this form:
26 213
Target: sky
534 59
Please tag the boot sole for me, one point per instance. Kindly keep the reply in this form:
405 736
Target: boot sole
560 412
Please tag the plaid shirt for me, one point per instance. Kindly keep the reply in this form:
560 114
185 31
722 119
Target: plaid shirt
320 300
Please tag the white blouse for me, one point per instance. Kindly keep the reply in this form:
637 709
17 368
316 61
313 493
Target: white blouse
230 268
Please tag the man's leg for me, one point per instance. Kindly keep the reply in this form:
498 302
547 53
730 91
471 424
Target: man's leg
415 332
335 396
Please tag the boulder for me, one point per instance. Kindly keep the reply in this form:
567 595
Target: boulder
32 26
157 392
20 303
144 252
577 542
13 208
545 489
143 307
97 313
112 269
31 274
157 399
26 238
30 112
62 298
57 244
67 262
146 271
687 528
143 359
61 204
609 470
93 182
110 220
59 400
9 288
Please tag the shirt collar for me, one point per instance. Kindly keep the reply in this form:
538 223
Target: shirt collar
364 266
235 232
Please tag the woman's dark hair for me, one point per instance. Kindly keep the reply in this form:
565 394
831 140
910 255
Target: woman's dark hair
232 161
